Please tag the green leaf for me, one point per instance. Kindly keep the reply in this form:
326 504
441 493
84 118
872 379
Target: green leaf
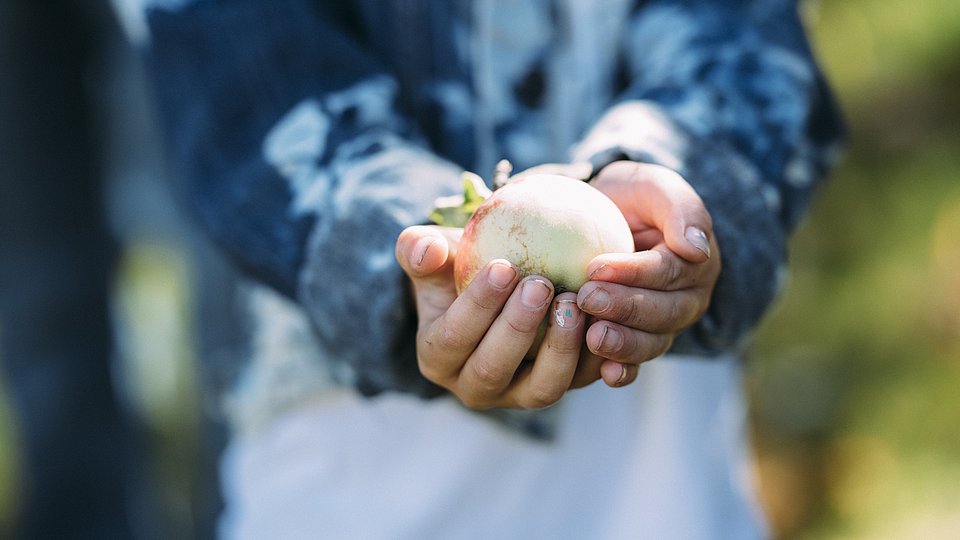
455 211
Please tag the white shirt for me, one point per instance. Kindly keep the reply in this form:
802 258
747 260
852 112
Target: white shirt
665 457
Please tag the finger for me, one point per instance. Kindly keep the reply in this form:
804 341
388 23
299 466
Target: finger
493 365
426 254
644 309
588 368
556 360
616 342
659 197
617 374
658 269
422 250
645 239
446 344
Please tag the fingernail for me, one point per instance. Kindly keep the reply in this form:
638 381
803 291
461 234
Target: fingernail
421 248
623 375
610 340
565 313
501 274
698 239
534 293
596 271
597 301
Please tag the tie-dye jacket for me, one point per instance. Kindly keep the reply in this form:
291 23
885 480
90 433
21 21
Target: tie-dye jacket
310 133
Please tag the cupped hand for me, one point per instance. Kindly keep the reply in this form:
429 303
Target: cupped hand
639 302
475 344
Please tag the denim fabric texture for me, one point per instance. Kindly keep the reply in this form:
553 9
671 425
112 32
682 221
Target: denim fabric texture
309 134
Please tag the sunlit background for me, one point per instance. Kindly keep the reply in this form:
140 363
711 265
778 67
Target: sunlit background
855 376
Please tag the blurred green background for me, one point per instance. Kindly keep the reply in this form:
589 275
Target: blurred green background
854 376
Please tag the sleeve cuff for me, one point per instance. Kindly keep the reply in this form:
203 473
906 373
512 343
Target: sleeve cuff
350 283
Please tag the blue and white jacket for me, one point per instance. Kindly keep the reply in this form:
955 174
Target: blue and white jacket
309 133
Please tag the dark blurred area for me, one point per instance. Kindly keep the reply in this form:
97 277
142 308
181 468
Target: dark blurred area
56 264
108 298
83 204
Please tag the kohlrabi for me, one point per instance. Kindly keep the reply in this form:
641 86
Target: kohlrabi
546 224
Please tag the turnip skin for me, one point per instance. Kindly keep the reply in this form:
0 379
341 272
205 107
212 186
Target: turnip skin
547 225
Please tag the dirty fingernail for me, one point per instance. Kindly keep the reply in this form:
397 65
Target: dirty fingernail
610 340
623 374
597 272
566 313
534 293
501 274
698 239
597 301
421 248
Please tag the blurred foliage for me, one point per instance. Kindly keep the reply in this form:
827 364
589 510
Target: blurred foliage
157 371
855 377
8 460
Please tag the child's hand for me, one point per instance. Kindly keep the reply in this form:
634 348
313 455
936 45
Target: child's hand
474 345
642 301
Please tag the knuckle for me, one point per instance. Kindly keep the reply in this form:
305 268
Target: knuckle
432 371
566 345
674 273
427 367
675 317
522 325
587 371
428 370
671 271
542 395
489 376
452 339
636 348
473 401
663 345
652 346
485 302
632 311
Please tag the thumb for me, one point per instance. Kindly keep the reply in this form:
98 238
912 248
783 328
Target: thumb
423 250
655 196
426 254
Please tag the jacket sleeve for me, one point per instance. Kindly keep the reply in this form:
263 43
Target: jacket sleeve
727 94
287 138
